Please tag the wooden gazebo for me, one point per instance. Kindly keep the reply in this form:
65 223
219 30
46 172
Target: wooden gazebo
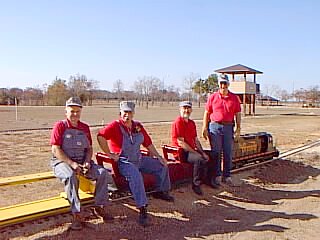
245 89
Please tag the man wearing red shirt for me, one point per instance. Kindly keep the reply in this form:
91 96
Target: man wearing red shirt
184 135
72 153
125 137
222 113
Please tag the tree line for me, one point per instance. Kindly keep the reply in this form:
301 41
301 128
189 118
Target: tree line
146 90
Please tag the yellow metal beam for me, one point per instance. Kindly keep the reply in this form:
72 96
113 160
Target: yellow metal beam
16 180
32 210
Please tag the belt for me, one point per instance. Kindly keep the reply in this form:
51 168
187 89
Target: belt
223 122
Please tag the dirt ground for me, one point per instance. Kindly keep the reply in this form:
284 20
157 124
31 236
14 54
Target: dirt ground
280 200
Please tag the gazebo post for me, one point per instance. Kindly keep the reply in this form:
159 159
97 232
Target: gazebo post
244 104
250 103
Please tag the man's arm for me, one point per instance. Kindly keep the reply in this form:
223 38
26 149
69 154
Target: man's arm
185 145
88 157
200 149
103 143
154 153
238 124
238 120
59 153
205 125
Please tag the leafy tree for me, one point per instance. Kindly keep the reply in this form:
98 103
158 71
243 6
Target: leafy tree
57 92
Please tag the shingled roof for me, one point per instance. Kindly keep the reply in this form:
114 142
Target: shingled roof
238 69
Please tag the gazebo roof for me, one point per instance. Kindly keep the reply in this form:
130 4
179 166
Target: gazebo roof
238 69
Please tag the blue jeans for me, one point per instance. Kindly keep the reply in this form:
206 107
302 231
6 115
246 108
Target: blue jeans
221 140
71 183
132 173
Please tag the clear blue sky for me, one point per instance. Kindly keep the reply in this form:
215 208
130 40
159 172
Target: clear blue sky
110 40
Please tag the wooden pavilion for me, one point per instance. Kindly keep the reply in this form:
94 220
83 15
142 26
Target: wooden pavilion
244 87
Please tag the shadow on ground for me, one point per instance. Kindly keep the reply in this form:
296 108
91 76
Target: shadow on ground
217 212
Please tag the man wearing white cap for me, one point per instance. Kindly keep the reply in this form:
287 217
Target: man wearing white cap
72 153
222 113
184 135
125 136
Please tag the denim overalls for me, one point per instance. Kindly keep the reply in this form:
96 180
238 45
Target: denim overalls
75 144
131 163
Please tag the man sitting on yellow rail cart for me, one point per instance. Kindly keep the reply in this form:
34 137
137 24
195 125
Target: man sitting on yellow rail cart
72 153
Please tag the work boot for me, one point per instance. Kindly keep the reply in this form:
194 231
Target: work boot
163 196
76 222
197 190
100 211
143 217
216 182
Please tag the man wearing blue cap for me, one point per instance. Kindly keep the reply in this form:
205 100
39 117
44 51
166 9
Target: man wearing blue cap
184 135
222 113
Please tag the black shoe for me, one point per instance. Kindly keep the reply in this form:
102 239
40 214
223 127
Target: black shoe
143 217
197 189
163 196
102 213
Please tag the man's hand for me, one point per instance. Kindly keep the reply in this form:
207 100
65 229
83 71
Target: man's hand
76 167
205 133
237 133
87 164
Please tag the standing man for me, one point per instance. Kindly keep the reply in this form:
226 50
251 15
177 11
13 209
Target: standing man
184 135
125 137
72 152
222 113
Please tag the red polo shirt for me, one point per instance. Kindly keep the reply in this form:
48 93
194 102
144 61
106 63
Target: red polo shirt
113 134
223 108
184 129
60 127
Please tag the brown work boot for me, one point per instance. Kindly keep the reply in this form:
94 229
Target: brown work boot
100 211
76 222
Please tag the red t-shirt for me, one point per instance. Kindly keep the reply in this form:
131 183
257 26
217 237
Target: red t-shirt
184 129
60 127
223 108
113 134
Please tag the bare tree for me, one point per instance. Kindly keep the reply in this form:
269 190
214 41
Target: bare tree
148 85
33 96
138 89
118 89
80 86
189 82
